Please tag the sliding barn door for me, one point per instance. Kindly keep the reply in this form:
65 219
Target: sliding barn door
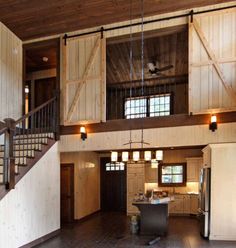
212 62
10 74
84 80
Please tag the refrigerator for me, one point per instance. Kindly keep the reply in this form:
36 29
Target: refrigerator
204 201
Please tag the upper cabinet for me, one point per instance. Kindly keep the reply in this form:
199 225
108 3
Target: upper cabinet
193 169
212 62
84 80
10 74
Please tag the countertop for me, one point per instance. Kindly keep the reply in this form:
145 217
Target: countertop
164 200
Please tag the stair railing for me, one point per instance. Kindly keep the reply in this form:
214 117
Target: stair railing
26 134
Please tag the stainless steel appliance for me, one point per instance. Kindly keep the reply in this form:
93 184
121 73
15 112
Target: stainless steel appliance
204 197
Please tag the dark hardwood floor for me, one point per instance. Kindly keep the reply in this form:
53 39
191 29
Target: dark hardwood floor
112 230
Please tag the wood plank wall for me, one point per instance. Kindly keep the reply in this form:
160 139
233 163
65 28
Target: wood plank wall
10 74
157 137
86 182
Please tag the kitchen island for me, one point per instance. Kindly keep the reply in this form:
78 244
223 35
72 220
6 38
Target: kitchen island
153 217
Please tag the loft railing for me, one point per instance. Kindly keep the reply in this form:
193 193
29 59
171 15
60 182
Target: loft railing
21 137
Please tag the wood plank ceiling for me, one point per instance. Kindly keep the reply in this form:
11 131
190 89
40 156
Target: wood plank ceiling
30 19
167 49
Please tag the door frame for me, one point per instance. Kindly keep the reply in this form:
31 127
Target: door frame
72 217
41 44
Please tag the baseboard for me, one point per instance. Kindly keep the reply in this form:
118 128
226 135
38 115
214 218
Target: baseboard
85 218
42 239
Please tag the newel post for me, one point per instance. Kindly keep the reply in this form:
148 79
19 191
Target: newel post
9 161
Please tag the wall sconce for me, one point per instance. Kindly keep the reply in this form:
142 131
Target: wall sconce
83 133
213 124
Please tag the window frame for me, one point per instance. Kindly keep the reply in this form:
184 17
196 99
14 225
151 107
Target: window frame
147 98
160 183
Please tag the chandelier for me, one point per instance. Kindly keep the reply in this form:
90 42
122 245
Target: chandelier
137 156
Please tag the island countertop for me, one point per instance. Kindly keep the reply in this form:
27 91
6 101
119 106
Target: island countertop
164 200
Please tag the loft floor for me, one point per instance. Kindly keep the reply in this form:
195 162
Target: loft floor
112 230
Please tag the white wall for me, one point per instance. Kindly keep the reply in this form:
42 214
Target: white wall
10 74
157 137
223 193
86 181
32 209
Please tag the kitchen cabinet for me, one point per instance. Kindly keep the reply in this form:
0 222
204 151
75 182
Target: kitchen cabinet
184 204
194 204
207 157
151 174
193 168
135 184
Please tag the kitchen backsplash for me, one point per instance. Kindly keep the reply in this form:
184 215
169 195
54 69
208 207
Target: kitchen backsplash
190 187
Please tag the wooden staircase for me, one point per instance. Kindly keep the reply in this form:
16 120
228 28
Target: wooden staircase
25 141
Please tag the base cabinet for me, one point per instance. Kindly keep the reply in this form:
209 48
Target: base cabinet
184 204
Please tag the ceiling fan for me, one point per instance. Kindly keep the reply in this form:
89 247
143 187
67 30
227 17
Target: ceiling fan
155 70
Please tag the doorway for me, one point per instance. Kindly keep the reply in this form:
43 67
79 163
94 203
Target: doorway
113 186
67 193
41 73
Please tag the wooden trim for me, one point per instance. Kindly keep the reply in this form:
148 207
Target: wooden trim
153 122
87 217
42 239
172 184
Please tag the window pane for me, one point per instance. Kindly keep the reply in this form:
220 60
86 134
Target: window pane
177 178
166 169
178 169
167 179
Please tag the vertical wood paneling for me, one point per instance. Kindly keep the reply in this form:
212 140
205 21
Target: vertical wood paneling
207 92
32 209
78 53
87 182
10 74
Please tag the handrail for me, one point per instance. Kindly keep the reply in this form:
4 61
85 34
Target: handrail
35 110
42 122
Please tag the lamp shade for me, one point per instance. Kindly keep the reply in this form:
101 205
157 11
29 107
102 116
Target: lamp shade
136 156
147 155
159 155
125 156
82 129
114 156
154 164
213 118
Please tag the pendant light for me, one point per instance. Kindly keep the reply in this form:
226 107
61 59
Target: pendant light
147 155
114 156
159 155
136 156
125 156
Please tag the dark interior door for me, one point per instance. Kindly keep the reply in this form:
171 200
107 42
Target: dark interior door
113 187
67 193
44 90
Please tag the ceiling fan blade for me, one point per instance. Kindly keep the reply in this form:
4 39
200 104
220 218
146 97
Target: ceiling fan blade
165 68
